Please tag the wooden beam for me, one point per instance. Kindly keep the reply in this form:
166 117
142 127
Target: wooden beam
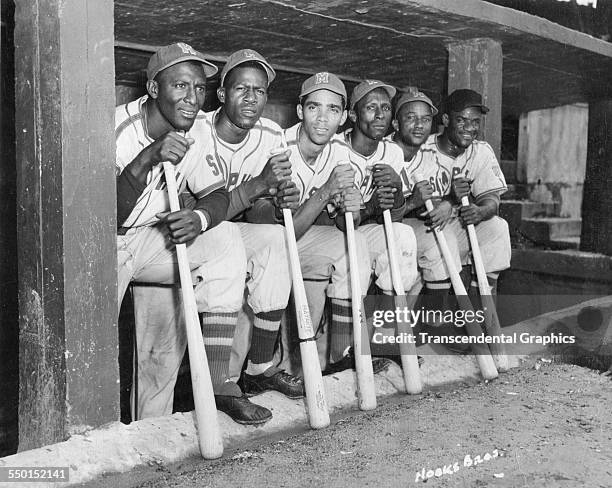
510 18
9 312
477 64
597 198
66 218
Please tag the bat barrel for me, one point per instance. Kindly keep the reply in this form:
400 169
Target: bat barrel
410 363
316 402
491 319
363 359
209 434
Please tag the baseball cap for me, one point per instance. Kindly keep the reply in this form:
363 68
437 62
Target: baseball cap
463 98
244 56
366 87
415 96
323 81
177 53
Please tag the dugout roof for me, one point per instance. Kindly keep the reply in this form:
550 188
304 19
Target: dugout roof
400 41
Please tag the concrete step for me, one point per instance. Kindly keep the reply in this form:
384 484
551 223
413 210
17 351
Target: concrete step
514 211
546 229
516 191
565 243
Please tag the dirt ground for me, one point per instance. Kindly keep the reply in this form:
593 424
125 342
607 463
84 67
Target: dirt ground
543 425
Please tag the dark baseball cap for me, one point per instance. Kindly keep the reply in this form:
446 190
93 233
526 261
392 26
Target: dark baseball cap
463 98
244 56
366 87
323 81
177 53
415 96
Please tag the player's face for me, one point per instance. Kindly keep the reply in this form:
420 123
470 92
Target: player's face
373 114
321 115
245 96
414 123
462 127
179 91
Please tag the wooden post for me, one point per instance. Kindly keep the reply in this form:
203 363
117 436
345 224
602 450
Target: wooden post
9 313
597 197
477 64
66 218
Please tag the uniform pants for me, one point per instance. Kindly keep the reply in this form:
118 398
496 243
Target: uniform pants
218 263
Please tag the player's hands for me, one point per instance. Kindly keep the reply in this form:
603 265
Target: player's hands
439 216
288 196
276 170
172 147
341 178
350 201
460 188
385 197
421 192
385 175
183 226
471 214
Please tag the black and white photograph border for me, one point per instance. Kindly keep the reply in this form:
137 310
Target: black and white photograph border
544 71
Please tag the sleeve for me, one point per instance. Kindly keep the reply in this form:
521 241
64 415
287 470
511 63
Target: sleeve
129 190
213 206
487 176
239 201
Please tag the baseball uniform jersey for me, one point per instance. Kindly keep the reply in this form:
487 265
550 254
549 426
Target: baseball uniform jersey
387 152
310 177
131 138
477 163
237 163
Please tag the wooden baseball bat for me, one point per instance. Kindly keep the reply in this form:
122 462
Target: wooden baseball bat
316 403
363 358
491 318
318 415
209 434
482 352
410 363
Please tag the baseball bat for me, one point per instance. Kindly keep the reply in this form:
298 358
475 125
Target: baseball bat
209 434
491 318
410 363
482 352
318 415
316 403
363 359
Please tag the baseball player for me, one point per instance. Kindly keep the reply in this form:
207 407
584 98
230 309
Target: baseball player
166 125
378 163
240 148
455 163
247 149
320 171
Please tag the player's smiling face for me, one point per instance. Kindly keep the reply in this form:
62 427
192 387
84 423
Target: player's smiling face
372 114
413 123
244 95
321 114
179 92
462 127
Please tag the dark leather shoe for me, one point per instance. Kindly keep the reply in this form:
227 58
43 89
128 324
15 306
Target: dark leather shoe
241 410
273 379
348 362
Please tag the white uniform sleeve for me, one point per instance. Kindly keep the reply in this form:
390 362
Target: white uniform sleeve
487 176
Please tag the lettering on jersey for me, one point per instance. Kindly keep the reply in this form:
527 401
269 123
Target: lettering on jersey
235 180
213 163
187 49
367 187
